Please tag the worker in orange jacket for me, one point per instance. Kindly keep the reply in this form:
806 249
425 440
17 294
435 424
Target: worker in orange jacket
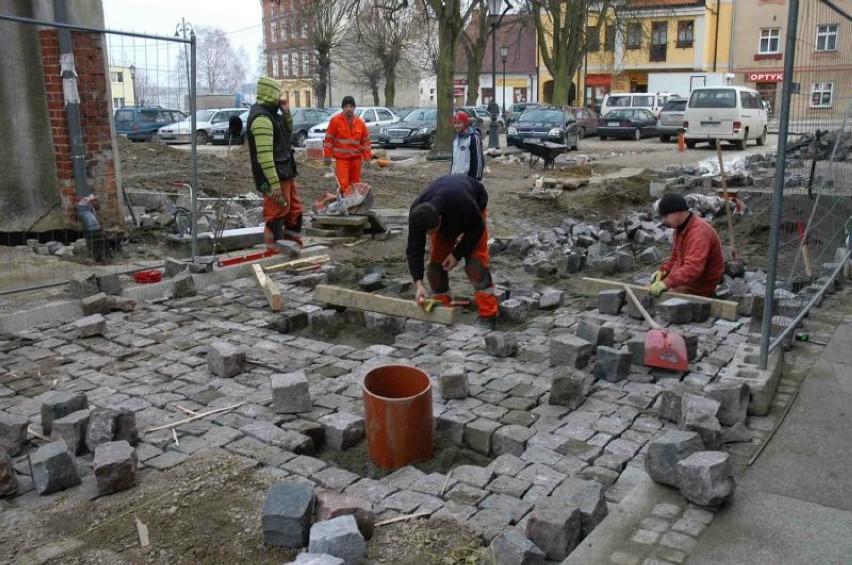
348 141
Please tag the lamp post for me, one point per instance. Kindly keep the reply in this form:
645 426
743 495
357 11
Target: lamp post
181 30
504 52
133 82
495 7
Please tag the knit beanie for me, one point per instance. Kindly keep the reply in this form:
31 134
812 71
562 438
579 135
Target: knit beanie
672 202
347 100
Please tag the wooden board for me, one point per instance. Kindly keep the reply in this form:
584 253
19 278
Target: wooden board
342 221
270 289
724 309
296 263
382 304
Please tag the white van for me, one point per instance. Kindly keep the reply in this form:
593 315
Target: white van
651 101
728 113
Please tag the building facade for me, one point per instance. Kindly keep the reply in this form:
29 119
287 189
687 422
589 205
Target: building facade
121 83
289 56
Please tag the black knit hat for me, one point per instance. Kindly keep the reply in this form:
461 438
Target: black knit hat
672 202
347 100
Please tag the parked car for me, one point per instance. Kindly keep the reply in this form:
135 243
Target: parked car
375 117
220 133
482 119
417 129
671 119
631 123
402 111
544 123
653 102
140 123
727 113
501 118
205 120
516 110
303 119
587 120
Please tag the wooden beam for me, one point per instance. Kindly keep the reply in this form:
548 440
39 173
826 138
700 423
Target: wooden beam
382 304
270 289
296 263
724 309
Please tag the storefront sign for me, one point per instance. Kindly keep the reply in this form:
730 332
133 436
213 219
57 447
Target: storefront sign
458 91
459 81
765 77
598 80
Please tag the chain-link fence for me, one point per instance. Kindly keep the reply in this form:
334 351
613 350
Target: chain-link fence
812 203
86 108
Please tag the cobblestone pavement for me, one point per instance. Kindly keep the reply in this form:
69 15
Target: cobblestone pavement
153 359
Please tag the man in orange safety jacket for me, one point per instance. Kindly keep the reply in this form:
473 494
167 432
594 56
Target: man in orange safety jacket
348 141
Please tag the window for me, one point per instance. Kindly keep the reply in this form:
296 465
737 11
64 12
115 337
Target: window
634 36
750 101
297 95
609 38
659 41
296 58
117 77
384 116
822 94
714 98
770 40
275 66
285 64
273 32
685 33
118 102
593 38
307 98
826 38
306 64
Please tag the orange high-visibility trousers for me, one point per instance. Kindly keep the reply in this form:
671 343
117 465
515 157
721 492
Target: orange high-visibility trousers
348 171
290 216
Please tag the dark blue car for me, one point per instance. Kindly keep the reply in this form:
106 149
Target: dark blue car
140 123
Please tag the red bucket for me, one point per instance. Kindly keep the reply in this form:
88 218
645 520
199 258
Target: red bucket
149 276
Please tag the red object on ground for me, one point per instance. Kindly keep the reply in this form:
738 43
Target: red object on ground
249 257
149 276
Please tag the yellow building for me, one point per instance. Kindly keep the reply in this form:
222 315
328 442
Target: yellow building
651 36
121 86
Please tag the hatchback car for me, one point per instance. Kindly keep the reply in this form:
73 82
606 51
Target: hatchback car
631 123
417 129
671 119
544 123
205 120
587 120
140 123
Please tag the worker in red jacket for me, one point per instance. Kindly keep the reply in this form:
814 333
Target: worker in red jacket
348 141
696 263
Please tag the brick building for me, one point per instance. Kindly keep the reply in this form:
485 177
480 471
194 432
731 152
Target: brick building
289 56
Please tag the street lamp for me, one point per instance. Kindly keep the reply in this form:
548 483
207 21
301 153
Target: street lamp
504 52
495 9
133 81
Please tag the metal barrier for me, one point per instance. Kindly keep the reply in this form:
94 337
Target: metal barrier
812 198
89 74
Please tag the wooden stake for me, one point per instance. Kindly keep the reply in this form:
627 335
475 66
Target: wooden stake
270 289
319 259
186 410
37 435
194 418
404 518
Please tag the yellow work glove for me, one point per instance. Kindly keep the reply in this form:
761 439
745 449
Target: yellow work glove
657 288
658 275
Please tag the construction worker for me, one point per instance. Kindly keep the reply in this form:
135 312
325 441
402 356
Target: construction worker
451 211
348 141
273 163
467 148
696 263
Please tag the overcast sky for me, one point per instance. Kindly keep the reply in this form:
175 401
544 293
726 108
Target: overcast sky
241 19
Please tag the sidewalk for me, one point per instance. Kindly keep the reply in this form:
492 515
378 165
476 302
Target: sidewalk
794 505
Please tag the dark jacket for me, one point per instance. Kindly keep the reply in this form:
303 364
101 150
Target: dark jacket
697 260
460 201
261 150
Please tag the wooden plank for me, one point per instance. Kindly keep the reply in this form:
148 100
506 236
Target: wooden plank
296 263
270 289
382 304
724 309
343 221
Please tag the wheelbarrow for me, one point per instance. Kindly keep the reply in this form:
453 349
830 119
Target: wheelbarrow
546 151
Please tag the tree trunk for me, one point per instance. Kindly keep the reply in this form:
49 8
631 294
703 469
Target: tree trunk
374 88
390 88
321 88
447 38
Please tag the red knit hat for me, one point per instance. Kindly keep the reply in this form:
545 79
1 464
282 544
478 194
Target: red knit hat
461 117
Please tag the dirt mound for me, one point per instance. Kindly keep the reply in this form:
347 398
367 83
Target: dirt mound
608 199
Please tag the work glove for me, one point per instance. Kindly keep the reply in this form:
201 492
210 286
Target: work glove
658 275
326 161
657 288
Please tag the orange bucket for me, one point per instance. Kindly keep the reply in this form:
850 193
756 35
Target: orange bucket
398 415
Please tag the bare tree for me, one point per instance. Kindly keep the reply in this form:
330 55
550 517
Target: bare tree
220 68
145 90
324 23
475 41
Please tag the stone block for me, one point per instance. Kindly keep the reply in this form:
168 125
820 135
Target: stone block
624 261
115 467
288 248
647 302
342 430
106 424
733 399
512 548
666 451
453 381
331 505
87 326
501 344
338 537
611 301
691 341
511 440
72 430
675 311
225 360
13 433
53 468
371 282
650 255
391 325
82 285
567 387
514 310
574 262
595 334
174 267
121 303
110 284
706 478
317 559
696 403
451 424
58 404
551 300
555 526
700 311
588 497
290 393
325 323
184 285
286 514
568 350
705 425
762 384
95 304
612 364
8 480
477 434
203 264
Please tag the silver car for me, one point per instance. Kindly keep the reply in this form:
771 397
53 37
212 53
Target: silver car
670 121
374 117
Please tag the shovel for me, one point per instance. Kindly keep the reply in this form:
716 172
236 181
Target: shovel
663 349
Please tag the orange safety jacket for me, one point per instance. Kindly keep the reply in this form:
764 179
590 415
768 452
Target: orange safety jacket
345 141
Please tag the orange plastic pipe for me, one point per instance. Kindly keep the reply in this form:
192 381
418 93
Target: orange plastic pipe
398 415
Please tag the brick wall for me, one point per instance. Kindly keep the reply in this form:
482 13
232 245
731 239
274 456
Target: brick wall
92 84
